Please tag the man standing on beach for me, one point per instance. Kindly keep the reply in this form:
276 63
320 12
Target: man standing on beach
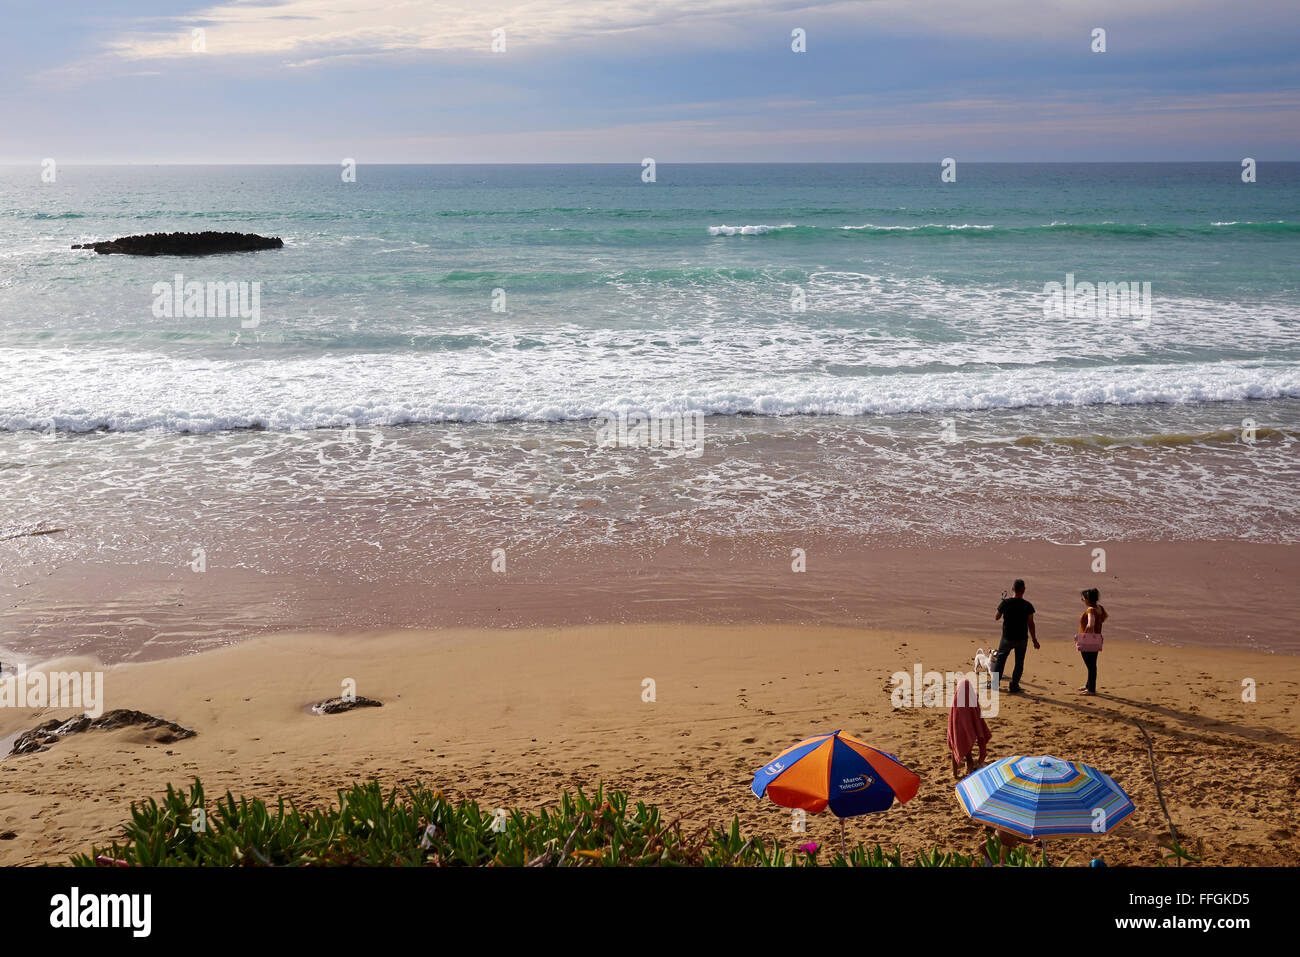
1017 617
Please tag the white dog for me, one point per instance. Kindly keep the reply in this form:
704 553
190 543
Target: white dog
983 661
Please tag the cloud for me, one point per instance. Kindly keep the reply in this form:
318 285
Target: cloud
703 79
314 31
1062 128
317 34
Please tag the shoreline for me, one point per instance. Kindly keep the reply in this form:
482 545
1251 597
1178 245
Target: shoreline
512 717
1168 594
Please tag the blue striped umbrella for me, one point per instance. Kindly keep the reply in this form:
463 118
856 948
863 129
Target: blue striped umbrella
1042 797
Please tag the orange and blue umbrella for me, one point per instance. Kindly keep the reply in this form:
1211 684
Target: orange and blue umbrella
1039 797
835 771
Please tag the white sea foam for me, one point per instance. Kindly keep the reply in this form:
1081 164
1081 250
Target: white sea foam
762 229
746 230
121 391
953 226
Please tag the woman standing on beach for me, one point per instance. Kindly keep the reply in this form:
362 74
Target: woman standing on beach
1088 639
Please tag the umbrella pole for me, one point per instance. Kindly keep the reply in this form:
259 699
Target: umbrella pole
1044 844
843 849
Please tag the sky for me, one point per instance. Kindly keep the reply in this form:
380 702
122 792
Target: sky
614 81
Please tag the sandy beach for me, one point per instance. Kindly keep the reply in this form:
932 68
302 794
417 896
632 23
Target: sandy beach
510 718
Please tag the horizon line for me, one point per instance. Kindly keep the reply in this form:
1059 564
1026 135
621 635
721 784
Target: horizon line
637 163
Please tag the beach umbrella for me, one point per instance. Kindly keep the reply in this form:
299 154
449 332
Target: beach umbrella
835 771
1042 797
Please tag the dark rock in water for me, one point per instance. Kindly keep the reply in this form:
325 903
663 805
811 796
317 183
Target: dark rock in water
51 732
336 705
184 244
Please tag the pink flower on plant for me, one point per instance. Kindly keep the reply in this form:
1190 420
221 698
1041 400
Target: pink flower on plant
810 847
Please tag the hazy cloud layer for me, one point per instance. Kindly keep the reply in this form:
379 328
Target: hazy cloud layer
610 81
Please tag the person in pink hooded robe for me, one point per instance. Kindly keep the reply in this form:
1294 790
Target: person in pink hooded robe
966 729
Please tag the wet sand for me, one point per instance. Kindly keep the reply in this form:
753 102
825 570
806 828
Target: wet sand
1234 595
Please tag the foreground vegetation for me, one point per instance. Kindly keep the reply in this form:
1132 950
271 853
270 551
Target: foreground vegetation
367 827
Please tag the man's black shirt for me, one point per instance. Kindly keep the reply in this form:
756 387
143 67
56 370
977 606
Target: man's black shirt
1015 619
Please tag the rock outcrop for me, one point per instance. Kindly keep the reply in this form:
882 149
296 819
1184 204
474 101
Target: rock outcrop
51 732
336 705
184 244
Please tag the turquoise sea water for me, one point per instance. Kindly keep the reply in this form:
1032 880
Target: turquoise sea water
380 403
920 296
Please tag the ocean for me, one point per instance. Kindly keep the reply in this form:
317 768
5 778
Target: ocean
920 296
867 349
